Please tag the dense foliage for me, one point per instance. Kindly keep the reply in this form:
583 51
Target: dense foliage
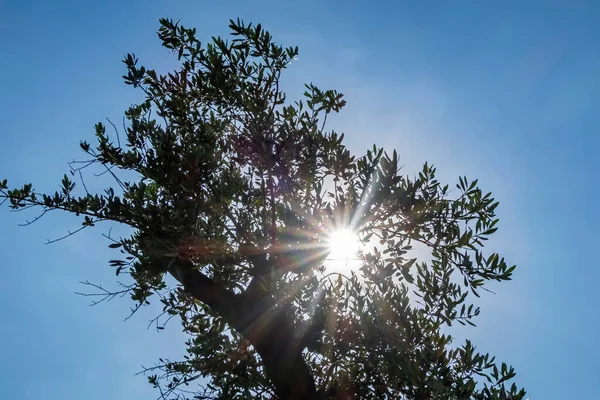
234 192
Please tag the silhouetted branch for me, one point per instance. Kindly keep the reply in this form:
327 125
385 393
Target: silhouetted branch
27 222
116 131
86 164
104 294
69 233
83 182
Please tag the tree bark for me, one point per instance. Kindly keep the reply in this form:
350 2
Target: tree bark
265 325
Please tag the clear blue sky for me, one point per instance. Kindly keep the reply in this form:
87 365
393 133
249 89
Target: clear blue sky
507 92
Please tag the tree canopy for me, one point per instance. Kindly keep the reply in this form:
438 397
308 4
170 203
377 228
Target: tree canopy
234 195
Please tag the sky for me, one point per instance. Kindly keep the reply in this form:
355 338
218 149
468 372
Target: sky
506 92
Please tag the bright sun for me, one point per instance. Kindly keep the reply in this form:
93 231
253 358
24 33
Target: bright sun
343 246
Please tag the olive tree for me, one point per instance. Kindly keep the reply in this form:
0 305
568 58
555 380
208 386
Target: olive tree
233 196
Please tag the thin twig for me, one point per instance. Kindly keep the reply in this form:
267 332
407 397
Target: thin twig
68 234
104 293
83 182
27 222
116 131
86 164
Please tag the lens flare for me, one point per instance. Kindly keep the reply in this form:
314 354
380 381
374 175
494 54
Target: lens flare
343 246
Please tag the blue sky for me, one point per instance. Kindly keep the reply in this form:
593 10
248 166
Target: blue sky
505 92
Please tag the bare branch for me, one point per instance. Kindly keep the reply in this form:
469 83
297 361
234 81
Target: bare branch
69 234
27 222
116 131
83 182
104 294
85 164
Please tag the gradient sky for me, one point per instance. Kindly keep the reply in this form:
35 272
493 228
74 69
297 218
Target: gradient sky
503 91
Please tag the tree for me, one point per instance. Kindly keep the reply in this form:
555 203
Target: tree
233 197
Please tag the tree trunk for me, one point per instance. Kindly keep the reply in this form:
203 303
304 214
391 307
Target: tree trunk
282 358
264 325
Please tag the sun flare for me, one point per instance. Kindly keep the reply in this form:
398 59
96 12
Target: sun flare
343 246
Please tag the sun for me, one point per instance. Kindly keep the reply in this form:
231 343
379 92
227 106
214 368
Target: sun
343 248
